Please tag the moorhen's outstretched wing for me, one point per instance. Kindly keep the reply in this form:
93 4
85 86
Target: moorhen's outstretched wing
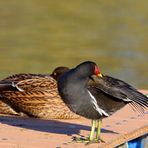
119 90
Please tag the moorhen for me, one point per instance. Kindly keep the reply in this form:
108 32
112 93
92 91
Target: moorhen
34 95
92 95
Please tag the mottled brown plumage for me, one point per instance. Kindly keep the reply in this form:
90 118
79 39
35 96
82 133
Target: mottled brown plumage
6 109
34 95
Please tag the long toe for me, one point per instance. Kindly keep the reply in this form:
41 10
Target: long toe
84 140
98 140
94 141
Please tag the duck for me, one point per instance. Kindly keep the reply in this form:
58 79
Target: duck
95 96
34 95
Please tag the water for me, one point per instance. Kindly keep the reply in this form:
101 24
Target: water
36 36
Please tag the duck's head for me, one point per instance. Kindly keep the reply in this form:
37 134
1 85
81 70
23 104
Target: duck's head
57 72
88 69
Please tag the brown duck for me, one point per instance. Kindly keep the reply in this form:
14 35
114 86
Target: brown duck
35 95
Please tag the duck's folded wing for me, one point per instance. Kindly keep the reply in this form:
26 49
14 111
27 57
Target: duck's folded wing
24 76
32 103
30 96
37 84
119 90
28 84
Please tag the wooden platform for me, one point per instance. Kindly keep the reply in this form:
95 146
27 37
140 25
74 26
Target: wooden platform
18 132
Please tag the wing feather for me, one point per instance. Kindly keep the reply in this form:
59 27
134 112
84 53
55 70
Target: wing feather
120 90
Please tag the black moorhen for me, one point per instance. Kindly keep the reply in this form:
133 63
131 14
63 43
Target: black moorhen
94 96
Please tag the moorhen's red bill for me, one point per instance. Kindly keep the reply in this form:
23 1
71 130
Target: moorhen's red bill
94 96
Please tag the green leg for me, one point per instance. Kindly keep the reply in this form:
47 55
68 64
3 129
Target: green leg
98 139
91 139
91 136
98 129
93 126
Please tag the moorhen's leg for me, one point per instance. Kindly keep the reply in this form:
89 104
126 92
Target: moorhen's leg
89 139
98 132
93 126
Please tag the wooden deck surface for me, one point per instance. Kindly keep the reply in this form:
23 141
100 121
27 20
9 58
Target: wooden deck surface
18 132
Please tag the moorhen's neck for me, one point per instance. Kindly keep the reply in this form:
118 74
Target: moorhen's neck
76 77
72 82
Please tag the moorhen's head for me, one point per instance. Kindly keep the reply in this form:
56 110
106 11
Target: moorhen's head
57 72
88 68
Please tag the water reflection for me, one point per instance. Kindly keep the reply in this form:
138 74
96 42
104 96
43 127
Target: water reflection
36 36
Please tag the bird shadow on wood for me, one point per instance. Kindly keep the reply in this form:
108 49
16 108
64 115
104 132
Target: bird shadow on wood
49 126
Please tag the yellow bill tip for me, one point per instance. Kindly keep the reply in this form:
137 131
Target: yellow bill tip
100 75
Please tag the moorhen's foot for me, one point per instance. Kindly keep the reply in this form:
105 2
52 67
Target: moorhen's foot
99 140
95 141
84 140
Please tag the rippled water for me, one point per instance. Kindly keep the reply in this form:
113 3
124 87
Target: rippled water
36 36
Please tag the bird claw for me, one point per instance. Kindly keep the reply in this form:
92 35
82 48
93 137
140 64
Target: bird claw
80 139
99 140
86 140
95 141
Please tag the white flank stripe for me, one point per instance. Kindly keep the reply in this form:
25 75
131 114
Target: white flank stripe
127 99
96 107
